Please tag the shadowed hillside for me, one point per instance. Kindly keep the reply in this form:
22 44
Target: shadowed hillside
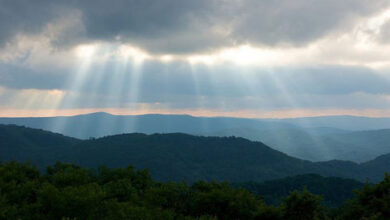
39 146
319 144
102 124
178 156
304 138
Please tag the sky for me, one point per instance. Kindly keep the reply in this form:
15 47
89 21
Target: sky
241 58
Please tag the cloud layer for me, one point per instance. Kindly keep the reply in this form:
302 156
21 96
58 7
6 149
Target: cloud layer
209 55
171 26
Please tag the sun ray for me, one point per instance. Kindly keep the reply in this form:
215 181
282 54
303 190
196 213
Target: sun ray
117 84
200 97
76 80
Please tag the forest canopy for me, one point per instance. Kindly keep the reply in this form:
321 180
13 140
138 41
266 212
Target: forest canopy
67 191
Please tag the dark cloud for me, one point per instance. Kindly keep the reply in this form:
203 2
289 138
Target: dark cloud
168 25
186 26
24 16
298 21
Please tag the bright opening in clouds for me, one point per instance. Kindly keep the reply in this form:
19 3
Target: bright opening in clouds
244 58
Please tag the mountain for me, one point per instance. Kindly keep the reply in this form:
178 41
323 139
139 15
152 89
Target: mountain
319 144
334 190
380 164
305 138
296 142
42 147
344 122
102 124
176 157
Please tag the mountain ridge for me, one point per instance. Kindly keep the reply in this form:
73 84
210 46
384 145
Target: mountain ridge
319 143
178 157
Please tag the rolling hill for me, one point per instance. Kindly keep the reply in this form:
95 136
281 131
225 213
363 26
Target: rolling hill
317 145
304 138
102 124
176 156
41 147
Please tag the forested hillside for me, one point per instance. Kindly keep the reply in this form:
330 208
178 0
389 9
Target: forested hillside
315 139
319 144
39 146
177 157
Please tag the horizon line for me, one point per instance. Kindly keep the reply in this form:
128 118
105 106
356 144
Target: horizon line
51 114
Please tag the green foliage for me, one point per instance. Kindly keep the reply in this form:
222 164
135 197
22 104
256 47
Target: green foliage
221 200
68 191
303 206
372 202
334 190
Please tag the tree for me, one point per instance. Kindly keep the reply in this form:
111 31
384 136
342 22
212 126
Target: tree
371 202
303 206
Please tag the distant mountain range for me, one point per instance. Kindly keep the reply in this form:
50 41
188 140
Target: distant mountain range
314 138
102 124
176 157
345 122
